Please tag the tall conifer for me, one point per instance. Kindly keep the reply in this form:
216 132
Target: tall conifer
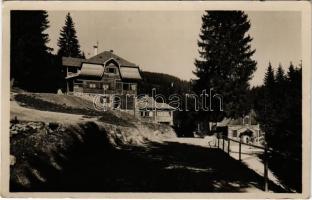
68 43
31 66
225 64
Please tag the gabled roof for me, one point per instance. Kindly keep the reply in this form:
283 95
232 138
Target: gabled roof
97 59
106 55
239 121
148 103
72 62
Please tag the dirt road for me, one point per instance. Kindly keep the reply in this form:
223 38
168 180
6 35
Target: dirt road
166 167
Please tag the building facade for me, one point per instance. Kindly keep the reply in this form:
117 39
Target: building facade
151 111
246 128
104 74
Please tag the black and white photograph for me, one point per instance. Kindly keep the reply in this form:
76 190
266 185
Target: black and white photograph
148 101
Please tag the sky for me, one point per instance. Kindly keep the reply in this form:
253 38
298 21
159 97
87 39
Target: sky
166 41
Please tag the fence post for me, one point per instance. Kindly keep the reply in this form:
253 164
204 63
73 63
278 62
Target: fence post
222 143
240 150
228 146
266 182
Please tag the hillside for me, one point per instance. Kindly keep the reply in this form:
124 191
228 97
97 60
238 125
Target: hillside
47 131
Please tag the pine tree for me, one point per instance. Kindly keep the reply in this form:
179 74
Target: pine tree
269 78
267 117
279 94
68 43
291 72
30 64
293 105
280 75
225 64
278 105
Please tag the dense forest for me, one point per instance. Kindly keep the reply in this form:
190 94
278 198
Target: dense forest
163 83
278 105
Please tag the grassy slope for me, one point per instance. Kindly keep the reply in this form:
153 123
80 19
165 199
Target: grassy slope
71 105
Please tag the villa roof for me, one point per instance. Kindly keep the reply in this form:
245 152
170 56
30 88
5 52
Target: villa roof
72 62
130 73
107 55
100 58
251 117
93 67
91 70
148 103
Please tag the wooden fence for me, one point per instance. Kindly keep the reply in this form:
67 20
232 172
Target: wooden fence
240 143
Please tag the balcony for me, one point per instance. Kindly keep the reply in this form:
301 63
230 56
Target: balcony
119 88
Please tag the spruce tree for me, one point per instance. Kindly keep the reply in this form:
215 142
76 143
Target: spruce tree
278 105
267 117
269 78
294 110
68 43
30 56
280 75
279 94
291 72
225 64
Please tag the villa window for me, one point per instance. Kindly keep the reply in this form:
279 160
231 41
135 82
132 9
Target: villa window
133 87
92 85
105 86
125 86
234 133
163 114
146 114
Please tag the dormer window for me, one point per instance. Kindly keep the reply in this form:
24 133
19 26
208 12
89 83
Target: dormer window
111 70
111 67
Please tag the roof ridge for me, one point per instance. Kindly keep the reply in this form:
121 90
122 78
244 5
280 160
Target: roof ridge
112 55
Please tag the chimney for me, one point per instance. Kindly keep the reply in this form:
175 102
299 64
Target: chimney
96 48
